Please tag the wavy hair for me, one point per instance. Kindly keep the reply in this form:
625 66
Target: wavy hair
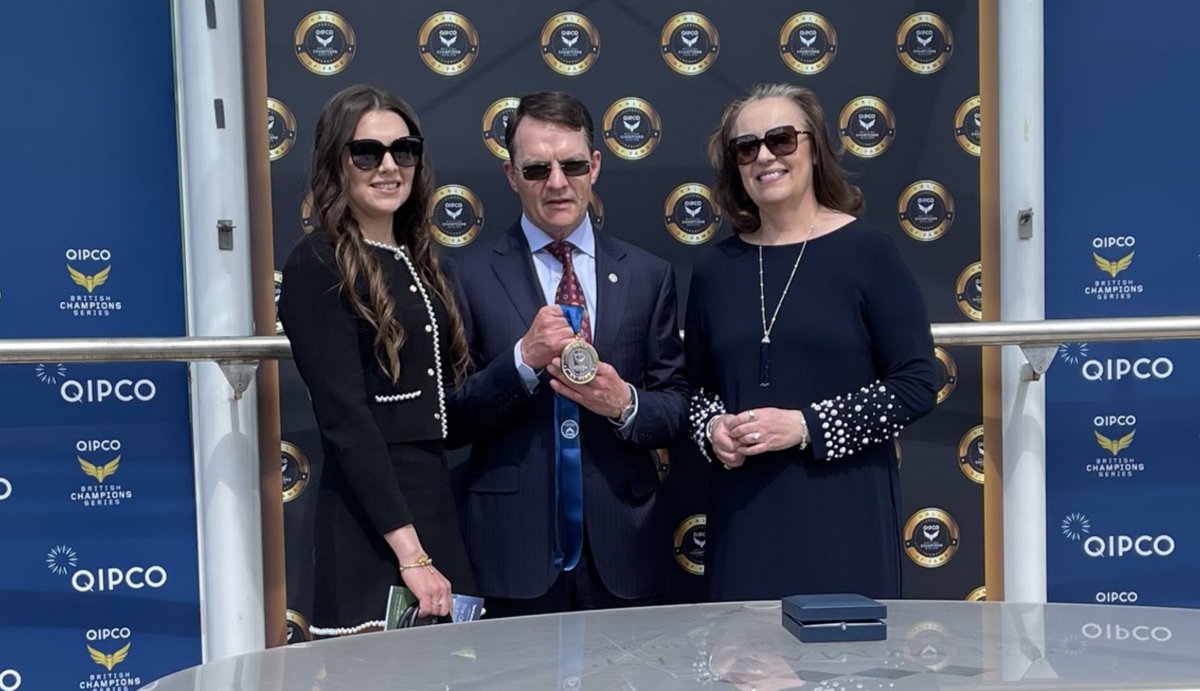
362 275
832 189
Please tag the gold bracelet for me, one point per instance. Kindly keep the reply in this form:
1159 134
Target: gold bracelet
423 560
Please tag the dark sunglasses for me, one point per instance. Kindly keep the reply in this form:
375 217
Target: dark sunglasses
541 171
367 154
780 141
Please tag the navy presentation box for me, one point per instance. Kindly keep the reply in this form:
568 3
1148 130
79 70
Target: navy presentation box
834 617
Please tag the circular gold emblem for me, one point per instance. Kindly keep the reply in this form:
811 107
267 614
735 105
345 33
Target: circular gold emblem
807 43
324 43
297 627
930 538
596 211
570 43
970 454
926 210
867 126
927 644
495 125
949 374
278 290
455 215
691 216
294 469
449 43
977 595
924 43
966 125
579 361
308 219
968 291
281 129
689 43
632 128
690 538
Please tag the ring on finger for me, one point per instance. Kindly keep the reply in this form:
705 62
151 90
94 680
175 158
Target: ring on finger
754 437
750 414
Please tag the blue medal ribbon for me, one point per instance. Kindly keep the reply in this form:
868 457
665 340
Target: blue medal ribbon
568 470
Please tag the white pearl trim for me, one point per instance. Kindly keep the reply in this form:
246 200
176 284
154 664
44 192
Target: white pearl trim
872 412
401 254
703 407
396 398
320 631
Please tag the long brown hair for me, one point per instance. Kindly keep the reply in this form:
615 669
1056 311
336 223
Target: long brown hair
832 189
359 266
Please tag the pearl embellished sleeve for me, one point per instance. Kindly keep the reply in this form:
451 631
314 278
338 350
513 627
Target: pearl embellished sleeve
843 425
704 406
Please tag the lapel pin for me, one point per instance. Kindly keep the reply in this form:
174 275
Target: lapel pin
612 278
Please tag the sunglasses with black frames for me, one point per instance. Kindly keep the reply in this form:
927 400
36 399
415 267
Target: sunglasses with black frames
541 171
367 154
780 141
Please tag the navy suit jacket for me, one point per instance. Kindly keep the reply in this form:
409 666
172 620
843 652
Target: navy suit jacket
508 511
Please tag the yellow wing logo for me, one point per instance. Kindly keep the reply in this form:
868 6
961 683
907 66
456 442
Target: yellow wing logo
100 472
1110 268
92 282
1115 446
109 661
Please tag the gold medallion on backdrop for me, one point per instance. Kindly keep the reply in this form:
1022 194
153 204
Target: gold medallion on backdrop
977 595
930 537
924 43
949 376
297 627
308 219
495 125
596 211
455 215
807 43
281 129
570 43
294 469
448 43
970 454
632 128
867 126
579 361
662 463
690 538
929 645
691 216
968 291
926 210
966 125
689 43
324 43
278 322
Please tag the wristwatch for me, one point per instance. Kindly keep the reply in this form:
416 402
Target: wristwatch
627 411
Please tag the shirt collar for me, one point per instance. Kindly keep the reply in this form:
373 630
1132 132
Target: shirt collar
583 237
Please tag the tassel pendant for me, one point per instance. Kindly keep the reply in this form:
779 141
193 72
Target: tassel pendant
764 362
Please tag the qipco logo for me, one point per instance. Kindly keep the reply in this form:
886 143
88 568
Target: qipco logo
10 680
1116 369
1127 597
1115 421
112 578
100 255
1108 242
1098 546
1116 632
100 390
115 633
93 445
5 488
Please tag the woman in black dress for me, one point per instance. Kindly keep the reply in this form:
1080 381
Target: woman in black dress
378 341
809 345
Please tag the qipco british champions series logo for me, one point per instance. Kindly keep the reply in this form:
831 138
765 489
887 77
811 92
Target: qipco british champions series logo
807 43
691 216
924 43
1113 256
632 128
281 129
308 217
967 129
324 43
970 454
689 43
570 43
867 126
297 627
931 538
90 269
455 215
293 469
1114 456
949 373
100 461
690 538
926 210
495 125
968 291
448 43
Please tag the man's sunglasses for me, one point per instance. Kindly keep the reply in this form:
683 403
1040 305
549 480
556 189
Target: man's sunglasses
367 154
541 171
780 141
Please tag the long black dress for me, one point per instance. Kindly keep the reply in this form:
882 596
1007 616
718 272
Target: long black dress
385 465
852 349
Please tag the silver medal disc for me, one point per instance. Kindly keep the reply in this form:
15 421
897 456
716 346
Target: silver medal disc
580 361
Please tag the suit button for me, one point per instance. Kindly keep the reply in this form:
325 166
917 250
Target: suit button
430 371
428 328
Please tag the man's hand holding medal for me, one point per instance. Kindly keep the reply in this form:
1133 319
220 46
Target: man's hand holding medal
575 367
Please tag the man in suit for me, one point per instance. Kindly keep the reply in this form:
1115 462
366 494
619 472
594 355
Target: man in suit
531 550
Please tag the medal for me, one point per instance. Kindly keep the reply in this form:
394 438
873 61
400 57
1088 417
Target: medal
580 361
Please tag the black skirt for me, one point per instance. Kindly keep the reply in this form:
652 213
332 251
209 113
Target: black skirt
355 567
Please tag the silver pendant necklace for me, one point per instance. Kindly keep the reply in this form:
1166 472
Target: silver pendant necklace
764 348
